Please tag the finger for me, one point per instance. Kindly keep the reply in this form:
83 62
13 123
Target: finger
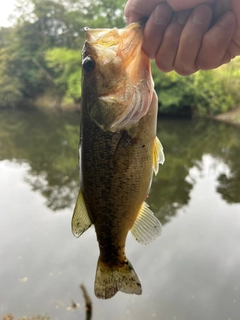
219 8
191 39
233 50
215 43
178 5
168 49
154 29
135 10
236 10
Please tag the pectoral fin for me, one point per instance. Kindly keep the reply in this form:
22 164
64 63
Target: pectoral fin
158 155
80 220
147 227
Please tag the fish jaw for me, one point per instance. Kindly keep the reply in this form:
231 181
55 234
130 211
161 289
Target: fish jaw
119 90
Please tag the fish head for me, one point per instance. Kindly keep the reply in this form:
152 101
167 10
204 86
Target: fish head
117 85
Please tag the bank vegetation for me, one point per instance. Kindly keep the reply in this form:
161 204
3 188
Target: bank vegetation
40 61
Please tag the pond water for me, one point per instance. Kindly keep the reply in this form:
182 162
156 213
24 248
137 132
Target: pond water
192 272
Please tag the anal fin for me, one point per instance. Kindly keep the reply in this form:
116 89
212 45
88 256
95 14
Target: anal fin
80 220
147 227
158 155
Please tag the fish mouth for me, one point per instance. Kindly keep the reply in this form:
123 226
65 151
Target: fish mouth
110 37
125 43
133 99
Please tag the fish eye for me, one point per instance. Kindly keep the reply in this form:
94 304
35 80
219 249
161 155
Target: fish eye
88 64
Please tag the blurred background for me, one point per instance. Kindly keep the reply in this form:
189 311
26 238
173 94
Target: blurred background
193 270
40 59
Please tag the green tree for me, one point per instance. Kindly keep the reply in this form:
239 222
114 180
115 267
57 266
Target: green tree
42 29
175 93
40 55
204 93
10 87
66 64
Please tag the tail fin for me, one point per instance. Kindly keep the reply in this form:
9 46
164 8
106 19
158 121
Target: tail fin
110 280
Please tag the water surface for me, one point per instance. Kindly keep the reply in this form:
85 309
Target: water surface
192 272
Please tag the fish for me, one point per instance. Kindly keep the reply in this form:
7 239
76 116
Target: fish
118 152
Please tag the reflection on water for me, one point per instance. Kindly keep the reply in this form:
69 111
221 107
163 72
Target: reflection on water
191 272
48 144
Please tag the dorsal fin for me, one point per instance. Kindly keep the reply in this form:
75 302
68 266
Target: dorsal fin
147 227
80 220
158 155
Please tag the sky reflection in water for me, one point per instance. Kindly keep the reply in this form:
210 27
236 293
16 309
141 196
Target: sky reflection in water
191 272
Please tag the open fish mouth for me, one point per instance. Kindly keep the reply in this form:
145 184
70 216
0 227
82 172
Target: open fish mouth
126 101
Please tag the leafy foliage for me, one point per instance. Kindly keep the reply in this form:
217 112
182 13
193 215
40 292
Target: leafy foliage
40 55
204 93
10 88
66 65
174 92
213 92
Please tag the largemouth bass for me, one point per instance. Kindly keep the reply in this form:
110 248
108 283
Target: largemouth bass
118 152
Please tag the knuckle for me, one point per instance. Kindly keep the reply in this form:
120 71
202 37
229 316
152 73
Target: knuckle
171 37
164 67
184 70
206 65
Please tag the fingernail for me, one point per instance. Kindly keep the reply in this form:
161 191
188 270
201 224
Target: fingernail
228 19
201 14
162 14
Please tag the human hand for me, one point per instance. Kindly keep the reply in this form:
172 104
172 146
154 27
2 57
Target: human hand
183 40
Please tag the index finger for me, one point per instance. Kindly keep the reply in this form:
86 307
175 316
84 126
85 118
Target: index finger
135 10
236 10
178 5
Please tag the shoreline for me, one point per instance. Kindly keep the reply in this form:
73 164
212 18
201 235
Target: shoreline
50 104
231 117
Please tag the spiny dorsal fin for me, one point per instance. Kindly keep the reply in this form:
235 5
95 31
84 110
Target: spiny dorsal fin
147 227
158 155
80 220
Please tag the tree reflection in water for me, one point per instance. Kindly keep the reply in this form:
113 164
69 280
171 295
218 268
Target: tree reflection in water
48 142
